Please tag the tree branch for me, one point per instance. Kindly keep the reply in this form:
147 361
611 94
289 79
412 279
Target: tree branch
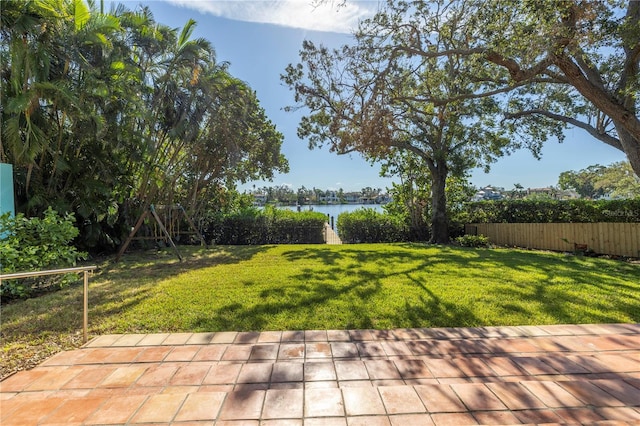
604 137
420 153
441 102
630 67
516 72
590 71
439 53
345 151
603 100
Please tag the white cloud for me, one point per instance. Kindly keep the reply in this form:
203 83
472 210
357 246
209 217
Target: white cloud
331 15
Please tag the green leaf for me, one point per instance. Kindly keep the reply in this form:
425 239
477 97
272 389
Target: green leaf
81 14
117 65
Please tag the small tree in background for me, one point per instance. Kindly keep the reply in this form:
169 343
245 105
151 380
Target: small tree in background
615 180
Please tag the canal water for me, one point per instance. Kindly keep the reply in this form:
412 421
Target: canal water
334 210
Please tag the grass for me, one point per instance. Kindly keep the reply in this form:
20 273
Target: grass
323 287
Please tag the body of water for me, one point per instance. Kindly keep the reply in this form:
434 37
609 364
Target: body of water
334 210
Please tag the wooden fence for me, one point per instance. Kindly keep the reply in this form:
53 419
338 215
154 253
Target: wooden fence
621 239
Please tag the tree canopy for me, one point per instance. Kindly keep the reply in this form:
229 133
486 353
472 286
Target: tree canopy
558 63
104 113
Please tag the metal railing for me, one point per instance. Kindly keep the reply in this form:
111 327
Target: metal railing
84 269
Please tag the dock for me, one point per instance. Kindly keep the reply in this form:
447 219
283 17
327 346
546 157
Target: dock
330 236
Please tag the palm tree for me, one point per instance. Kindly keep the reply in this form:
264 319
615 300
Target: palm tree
105 113
25 50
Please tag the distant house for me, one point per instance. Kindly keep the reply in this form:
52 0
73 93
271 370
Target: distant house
330 197
383 199
488 193
367 200
259 199
352 197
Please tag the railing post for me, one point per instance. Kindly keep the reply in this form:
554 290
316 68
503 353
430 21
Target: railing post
85 270
85 314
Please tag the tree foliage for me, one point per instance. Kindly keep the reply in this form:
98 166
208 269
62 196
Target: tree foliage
379 98
615 180
558 63
104 113
545 65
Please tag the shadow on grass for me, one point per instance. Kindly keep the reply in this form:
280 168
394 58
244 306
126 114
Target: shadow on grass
350 283
347 286
344 287
568 289
300 301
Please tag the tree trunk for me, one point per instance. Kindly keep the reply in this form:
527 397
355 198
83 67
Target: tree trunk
631 147
439 220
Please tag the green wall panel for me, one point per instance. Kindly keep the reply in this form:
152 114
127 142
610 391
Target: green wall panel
7 203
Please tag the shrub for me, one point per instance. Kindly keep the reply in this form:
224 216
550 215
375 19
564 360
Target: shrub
33 244
247 226
472 241
554 211
369 226
289 227
268 226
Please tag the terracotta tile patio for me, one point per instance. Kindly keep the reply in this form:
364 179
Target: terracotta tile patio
565 374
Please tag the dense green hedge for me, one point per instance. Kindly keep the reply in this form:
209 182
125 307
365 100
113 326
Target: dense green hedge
554 211
268 226
370 226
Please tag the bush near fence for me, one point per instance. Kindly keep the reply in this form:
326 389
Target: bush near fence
554 211
369 226
268 226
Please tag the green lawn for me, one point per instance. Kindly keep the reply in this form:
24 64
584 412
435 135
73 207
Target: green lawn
325 287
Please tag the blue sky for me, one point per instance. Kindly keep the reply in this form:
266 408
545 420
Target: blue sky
260 38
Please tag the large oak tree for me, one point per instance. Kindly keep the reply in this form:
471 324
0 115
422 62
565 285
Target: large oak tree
377 99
